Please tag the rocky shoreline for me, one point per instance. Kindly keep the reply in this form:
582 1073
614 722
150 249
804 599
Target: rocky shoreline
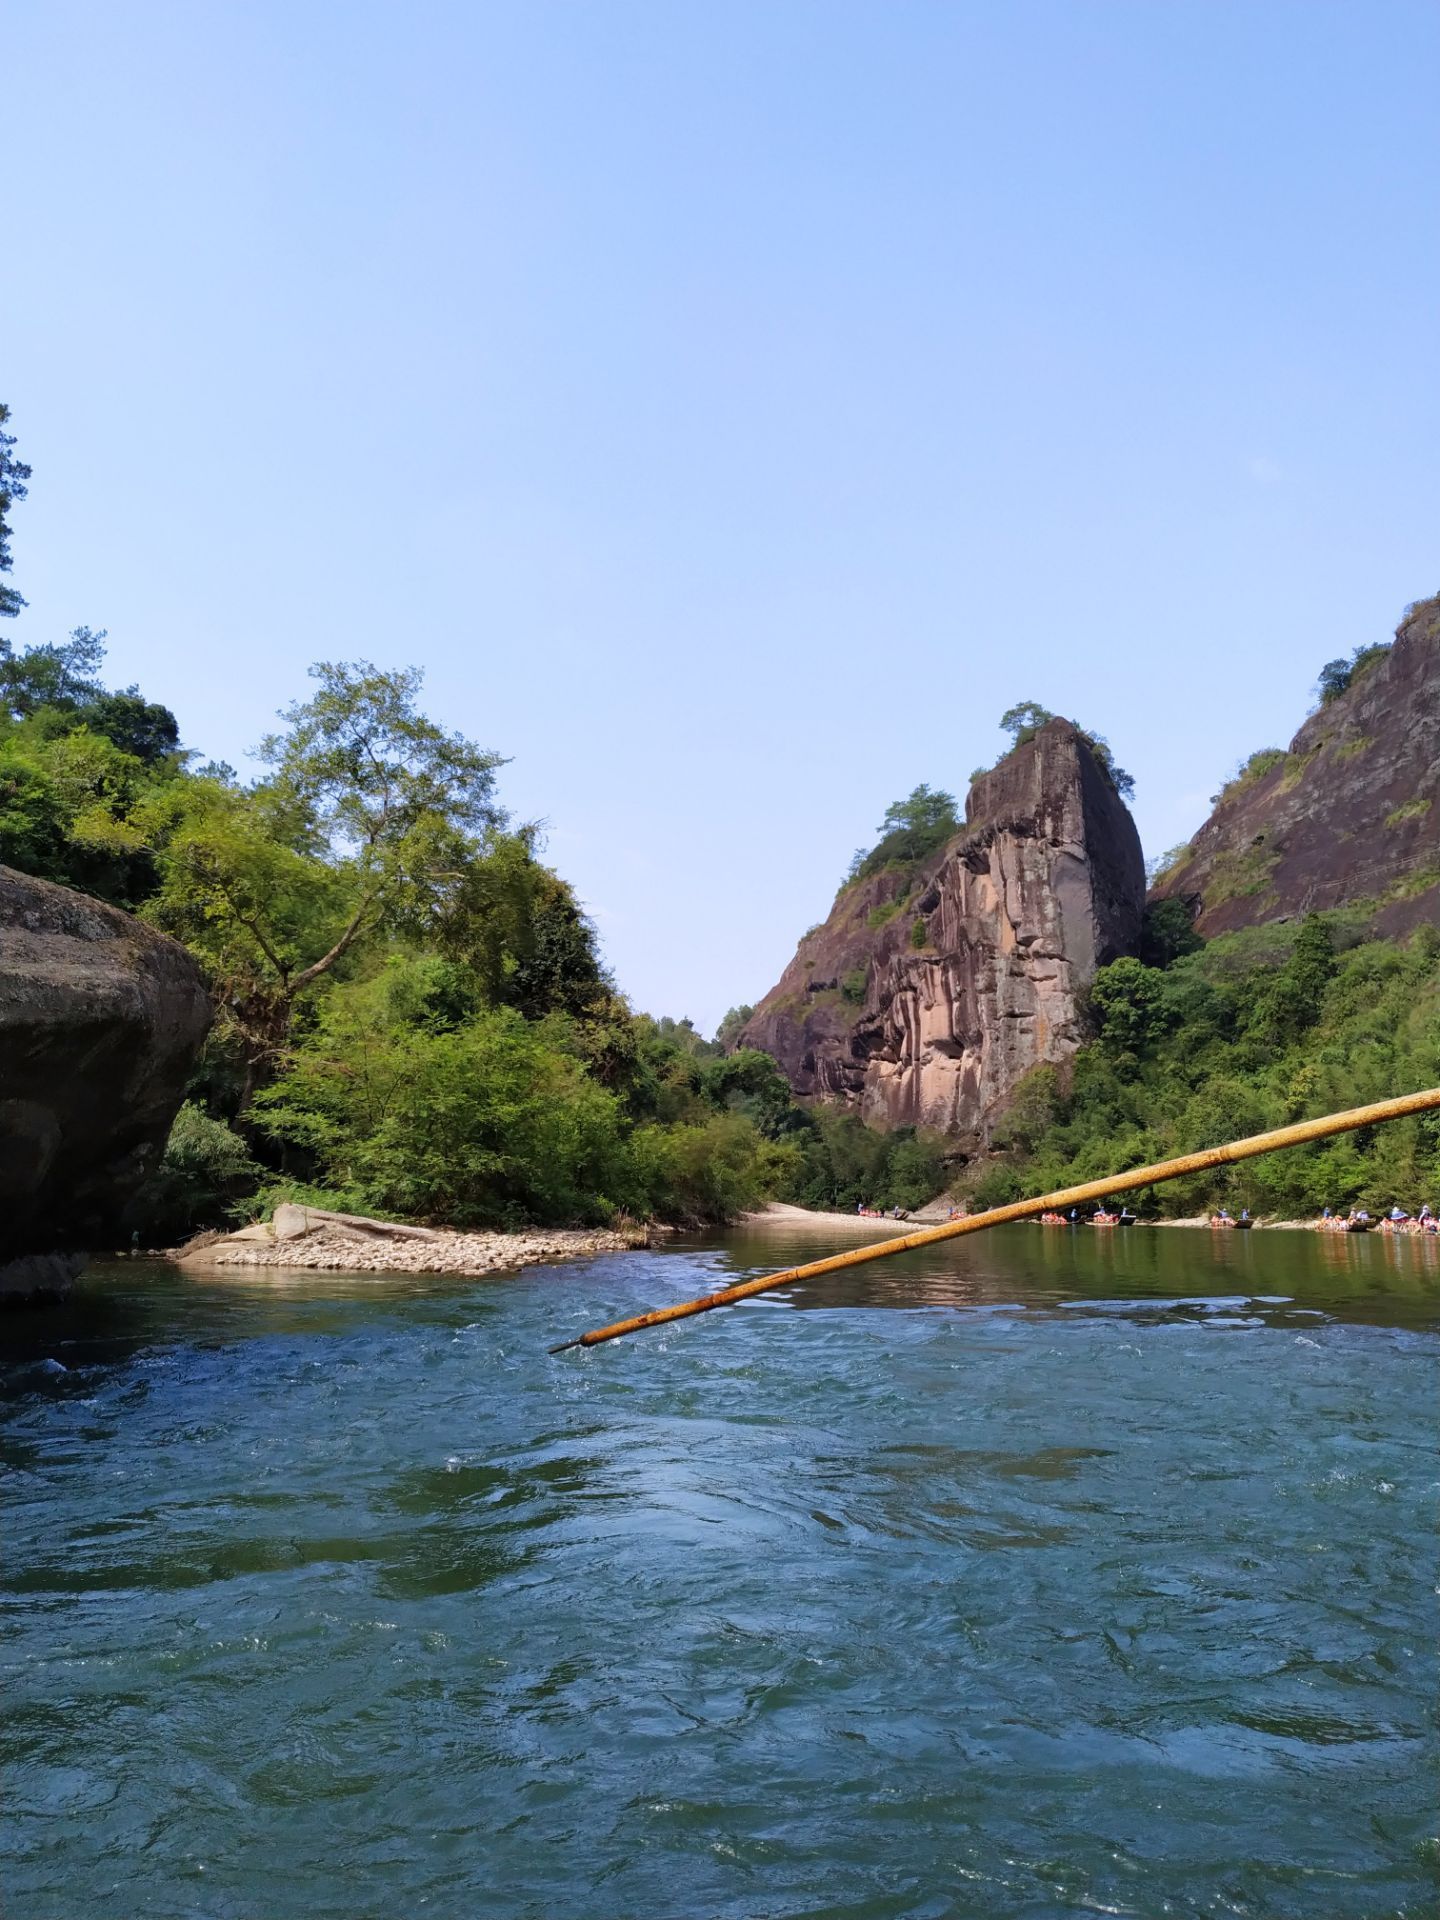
309 1238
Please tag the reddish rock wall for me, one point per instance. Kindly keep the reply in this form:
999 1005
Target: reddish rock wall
1350 815
1044 884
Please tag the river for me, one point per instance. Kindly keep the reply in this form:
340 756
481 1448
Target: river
1042 1574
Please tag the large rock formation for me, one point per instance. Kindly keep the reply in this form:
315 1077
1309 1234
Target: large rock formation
100 1022
1350 816
1044 884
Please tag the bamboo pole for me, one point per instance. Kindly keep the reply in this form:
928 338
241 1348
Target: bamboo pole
1272 1142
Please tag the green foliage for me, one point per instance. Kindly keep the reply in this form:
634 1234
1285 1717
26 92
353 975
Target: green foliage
834 1161
710 1171
13 477
206 1167
1120 780
77 765
413 1098
412 1014
882 915
1336 676
1415 809
919 933
913 829
485 1120
1249 772
852 985
373 826
1167 932
728 1032
1024 720
1130 1006
413 1018
62 677
1164 864
1247 1032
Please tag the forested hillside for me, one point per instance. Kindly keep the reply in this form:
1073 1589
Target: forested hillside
412 1015
1201 1042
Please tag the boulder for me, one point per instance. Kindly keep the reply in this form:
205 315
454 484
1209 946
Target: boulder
100 1022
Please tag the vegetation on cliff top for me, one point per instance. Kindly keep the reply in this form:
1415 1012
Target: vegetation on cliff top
913 829
1336 676
919 825
1025 719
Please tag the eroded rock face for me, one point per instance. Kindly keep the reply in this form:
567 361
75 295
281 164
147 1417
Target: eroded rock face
1045 883
1350 815
100 1023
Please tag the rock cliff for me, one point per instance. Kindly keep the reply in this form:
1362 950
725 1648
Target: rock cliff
100 1022
1349 816
926 995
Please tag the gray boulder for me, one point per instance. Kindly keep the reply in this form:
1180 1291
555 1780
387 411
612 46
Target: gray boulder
100 1023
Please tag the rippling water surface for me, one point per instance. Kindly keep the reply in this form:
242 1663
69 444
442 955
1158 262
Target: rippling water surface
1055 1573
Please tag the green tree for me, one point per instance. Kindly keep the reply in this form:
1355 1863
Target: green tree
383 790
370 824
137 726
1129 1001
727 1034
1023 721
206 1167
912 829
63 677
1166 932
1293 997
1123 782
925 813
1336 676
488 1122
13 477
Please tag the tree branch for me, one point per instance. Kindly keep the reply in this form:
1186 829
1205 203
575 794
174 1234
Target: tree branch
327 960
251 926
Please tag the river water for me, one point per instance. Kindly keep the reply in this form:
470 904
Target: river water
1047 1573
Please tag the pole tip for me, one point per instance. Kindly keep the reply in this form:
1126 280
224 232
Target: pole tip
565 1346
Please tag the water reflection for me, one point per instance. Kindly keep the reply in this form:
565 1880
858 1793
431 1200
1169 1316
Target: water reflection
1370 1276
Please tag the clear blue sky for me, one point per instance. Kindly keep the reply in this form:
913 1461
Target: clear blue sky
733 407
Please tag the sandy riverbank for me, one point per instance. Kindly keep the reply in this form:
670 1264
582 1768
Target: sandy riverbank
779 1214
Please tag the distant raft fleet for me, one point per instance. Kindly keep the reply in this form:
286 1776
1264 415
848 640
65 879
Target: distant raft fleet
1356 1221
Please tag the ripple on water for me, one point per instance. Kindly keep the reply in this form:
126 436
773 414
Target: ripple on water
1002 1584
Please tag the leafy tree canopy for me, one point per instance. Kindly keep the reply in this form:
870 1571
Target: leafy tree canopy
912 829
729 1029
13 477
1337 675
1025 719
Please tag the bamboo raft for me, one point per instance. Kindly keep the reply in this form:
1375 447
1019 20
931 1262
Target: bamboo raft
1275 1141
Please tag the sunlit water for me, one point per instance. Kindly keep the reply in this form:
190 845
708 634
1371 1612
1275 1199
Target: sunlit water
1052 1573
